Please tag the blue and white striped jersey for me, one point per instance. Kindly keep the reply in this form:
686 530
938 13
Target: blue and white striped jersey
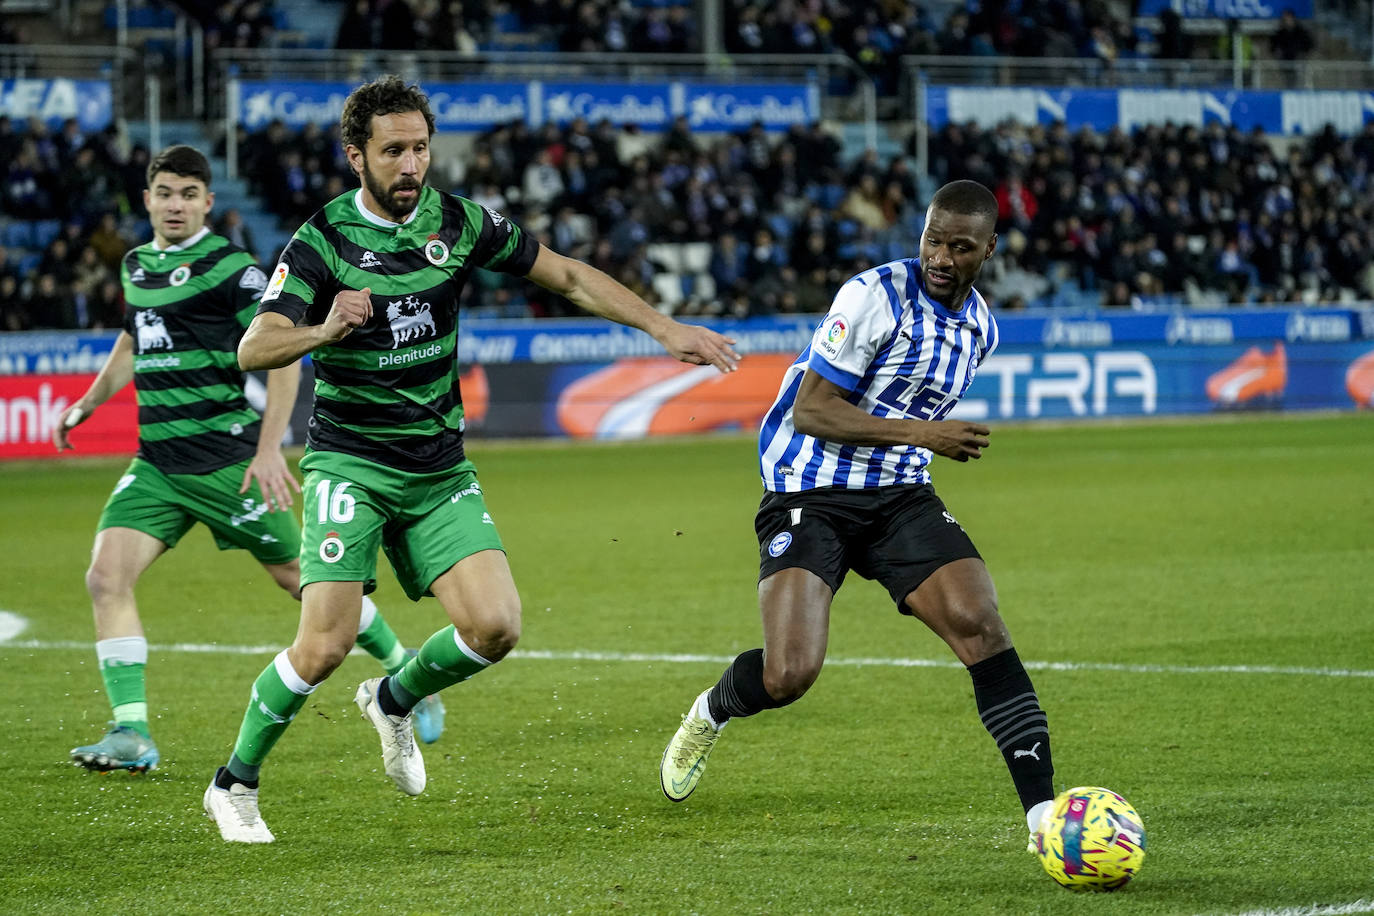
899 354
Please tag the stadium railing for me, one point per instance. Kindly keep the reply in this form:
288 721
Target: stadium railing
1139 73
121 66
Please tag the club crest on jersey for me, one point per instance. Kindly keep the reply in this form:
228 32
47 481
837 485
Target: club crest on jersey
332 548
411 321
832 334
179 276
278 282
778 546
436 252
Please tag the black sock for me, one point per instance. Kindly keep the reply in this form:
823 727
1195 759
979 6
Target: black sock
740 691
386 700
224 779
1011 713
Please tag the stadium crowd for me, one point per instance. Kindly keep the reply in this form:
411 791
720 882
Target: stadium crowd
874 35
71 205
1207 216
1167 213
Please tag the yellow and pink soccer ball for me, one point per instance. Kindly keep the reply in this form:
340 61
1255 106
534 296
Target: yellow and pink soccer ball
1091 840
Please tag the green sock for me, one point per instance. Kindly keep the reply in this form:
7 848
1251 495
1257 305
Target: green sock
278 694
122 661
377 637
444 660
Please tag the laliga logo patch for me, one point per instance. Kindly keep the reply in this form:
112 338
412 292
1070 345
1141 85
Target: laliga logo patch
778 546
278 282
436 252
832 335
332 548
180 275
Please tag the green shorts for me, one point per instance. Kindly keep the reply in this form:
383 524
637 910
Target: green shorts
167 505
424 522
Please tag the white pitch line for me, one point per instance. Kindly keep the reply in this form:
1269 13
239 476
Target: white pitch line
578 655
1317 909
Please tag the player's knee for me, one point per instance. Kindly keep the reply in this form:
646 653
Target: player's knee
786 680
105 581
316 659
494 639
981 634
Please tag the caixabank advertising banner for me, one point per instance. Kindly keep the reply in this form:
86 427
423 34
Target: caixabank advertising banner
590 379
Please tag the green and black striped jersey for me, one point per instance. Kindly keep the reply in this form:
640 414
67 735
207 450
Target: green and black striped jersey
388 392
187 308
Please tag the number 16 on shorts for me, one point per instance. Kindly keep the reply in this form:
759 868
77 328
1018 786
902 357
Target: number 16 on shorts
334 505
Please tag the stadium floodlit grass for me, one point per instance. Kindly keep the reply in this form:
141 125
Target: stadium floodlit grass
1205 585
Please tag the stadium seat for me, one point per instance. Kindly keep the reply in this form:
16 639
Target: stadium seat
782 226
18 234
696 257
669 289
668 256
832 195
44 231
703 287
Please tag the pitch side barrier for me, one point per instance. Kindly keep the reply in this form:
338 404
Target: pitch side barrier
587 379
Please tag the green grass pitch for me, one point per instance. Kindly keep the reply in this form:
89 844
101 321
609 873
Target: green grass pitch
1197 599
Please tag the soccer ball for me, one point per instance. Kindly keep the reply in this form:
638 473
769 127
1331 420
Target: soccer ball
1091 840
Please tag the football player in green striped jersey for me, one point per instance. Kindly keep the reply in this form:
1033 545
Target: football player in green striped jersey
204 454
370 287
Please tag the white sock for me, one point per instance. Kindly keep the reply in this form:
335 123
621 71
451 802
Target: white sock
1037 813
126 650
703 709
368 615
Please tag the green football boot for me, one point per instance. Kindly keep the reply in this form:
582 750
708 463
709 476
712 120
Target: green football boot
122 748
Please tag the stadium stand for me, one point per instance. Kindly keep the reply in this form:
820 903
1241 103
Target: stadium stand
739 223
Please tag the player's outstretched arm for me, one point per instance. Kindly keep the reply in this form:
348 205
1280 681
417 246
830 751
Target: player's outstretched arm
273 340
117 372
592 290
822 410
268 467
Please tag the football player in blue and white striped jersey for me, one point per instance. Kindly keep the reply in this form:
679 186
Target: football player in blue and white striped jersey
844 454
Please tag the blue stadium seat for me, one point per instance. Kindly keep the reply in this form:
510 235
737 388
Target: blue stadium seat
29 263
781 226
832 195
44 231
18 234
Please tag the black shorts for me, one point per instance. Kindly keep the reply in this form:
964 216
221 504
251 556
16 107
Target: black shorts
896 536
